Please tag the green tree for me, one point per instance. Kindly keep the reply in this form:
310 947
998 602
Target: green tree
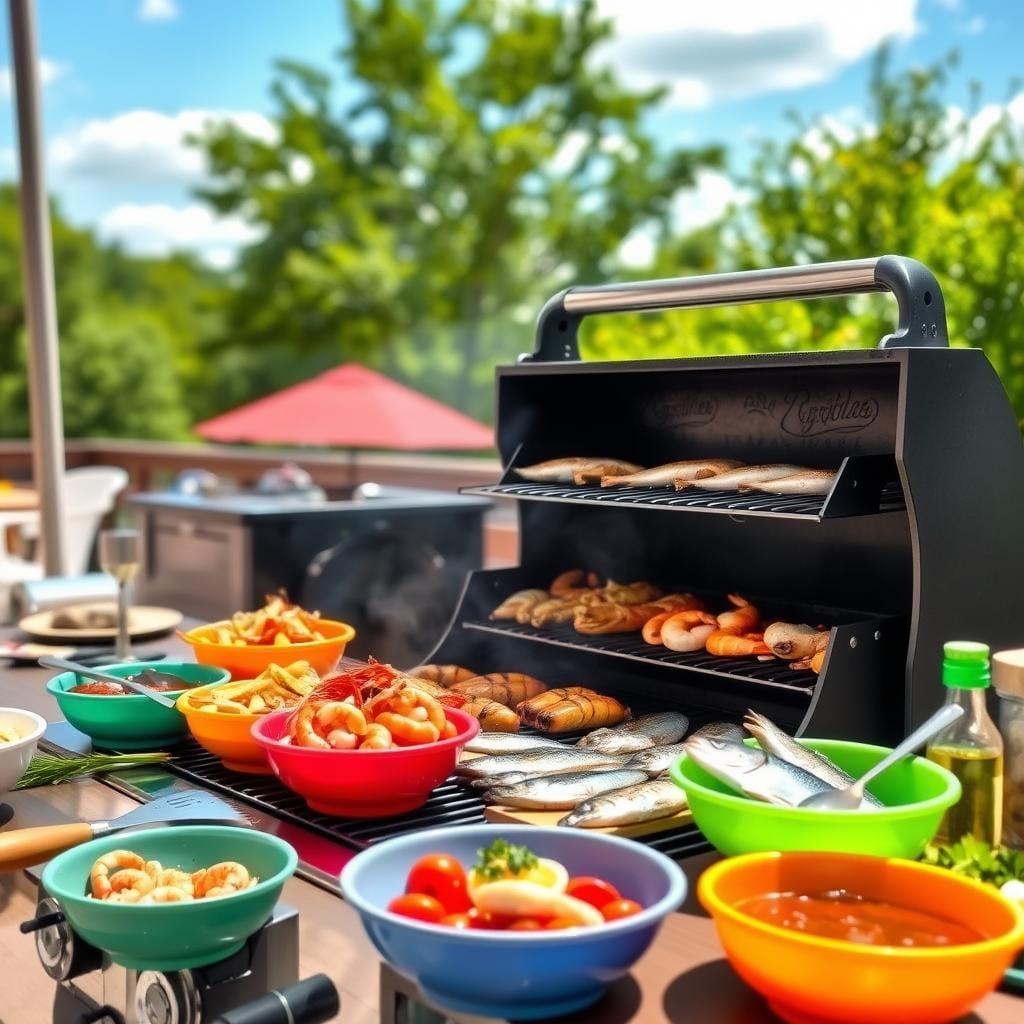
915 177
475 160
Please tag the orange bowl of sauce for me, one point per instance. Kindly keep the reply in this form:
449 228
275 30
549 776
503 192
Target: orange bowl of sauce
836 938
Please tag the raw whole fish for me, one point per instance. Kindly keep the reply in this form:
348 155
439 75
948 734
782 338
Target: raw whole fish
657 760
575 470
507 742
546 760
561 792
638 734
645 801
810 481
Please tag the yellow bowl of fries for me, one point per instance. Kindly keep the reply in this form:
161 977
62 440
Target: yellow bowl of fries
278 632
220 717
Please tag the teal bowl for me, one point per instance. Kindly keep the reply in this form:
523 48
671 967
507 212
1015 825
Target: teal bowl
916 793
173 936
131 722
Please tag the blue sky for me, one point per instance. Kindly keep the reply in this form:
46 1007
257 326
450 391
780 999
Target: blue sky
126 79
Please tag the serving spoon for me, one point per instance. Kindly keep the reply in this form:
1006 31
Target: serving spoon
850 798
129 684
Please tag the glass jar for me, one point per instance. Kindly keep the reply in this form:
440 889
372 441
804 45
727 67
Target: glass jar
1008 681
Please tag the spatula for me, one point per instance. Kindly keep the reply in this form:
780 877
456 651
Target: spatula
92 673
26 846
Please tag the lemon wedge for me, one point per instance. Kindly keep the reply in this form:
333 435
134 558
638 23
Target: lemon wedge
546 873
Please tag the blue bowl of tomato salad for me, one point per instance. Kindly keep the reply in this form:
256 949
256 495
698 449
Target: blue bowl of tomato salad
472 961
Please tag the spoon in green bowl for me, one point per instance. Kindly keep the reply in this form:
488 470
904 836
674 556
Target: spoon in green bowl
103 677
850 798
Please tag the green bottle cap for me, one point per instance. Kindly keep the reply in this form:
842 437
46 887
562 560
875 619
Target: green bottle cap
965 665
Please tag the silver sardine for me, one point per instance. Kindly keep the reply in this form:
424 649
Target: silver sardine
721 731
561 792
657 760
507 742
754 772
638 734
774 741
666 475
646 801
543 760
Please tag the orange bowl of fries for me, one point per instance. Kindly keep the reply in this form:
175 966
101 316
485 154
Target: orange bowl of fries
278 632
220 716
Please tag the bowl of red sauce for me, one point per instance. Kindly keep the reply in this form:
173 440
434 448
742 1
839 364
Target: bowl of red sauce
839 938
124 720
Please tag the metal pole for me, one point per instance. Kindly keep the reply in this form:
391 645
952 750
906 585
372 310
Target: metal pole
40 305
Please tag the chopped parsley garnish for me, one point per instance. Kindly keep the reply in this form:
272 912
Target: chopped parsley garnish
975 859
503 857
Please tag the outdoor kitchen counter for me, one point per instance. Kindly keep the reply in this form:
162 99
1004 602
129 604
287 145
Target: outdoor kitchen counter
683 977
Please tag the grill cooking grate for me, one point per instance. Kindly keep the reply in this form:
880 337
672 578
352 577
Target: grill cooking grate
728 502
631 645
449 804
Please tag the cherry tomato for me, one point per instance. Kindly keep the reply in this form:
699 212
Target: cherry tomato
557 923
525 924
595 891
442 877
487 921
417 906
457 920
620 909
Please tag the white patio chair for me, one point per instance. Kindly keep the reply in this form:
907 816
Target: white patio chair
89 494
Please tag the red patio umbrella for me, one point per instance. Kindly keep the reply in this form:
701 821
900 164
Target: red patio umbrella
350 406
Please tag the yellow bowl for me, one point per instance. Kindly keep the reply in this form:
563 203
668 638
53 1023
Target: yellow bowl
807 978
226 736
247 662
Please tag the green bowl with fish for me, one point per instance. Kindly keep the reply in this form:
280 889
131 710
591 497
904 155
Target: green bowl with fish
916 793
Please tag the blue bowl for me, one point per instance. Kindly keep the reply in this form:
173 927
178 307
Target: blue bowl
515 975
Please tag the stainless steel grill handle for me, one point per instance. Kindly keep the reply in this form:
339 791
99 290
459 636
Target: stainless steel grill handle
922 311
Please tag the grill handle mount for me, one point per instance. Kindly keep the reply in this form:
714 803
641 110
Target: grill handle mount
922 310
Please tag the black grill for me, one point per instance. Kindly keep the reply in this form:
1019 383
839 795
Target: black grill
449 804
631 645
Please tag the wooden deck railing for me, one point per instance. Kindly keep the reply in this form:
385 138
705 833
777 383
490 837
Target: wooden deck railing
152 465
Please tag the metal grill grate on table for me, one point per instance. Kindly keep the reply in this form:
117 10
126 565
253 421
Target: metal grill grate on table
449 804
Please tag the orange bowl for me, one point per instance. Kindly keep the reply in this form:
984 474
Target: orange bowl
806 978
228 737
247 662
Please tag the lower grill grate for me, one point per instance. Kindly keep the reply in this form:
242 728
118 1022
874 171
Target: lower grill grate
773 673
450 804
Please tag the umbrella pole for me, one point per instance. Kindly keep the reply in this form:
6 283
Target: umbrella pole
40 304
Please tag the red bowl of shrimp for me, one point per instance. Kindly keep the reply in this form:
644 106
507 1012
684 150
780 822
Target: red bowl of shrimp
364 783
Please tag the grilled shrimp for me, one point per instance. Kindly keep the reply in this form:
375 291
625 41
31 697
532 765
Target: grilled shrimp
687 631
116 860
742 619
573 582
220 879
725 644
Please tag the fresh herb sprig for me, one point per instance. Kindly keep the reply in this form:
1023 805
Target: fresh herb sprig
975 859
49 769
503 857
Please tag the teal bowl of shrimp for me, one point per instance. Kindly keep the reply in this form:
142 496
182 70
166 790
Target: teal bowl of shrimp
169 899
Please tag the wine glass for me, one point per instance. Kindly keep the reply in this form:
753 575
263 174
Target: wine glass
119 557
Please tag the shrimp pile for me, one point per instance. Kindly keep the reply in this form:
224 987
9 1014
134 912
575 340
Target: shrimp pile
371 708
122 876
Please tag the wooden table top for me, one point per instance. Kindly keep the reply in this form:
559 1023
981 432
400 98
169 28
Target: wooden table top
683 977
18 499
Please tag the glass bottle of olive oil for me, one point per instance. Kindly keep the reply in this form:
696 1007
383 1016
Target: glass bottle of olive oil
971 748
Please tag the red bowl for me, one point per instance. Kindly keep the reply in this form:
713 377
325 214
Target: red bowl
363 783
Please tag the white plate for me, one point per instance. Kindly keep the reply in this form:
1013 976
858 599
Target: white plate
143 621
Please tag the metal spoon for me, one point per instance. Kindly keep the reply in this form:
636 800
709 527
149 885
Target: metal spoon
128 684
850 798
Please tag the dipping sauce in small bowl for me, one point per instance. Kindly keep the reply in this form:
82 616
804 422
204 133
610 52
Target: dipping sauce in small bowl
845 916
100 688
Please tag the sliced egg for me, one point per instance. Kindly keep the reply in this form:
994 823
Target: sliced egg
547 873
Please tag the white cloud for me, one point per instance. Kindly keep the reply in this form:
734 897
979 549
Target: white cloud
733 48
49 71
158 10
975 26
713 193
146 147
157 229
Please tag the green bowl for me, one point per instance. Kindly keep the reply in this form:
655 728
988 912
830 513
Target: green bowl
173 936
916 792
131 722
